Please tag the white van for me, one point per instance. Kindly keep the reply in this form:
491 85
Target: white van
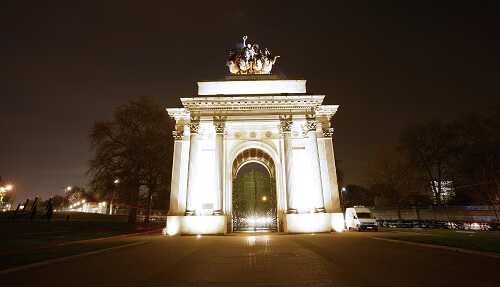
360 218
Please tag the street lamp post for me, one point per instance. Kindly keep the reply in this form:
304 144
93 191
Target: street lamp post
67 189
115 182
342 202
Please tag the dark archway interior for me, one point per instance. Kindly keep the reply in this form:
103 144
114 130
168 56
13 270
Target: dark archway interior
254 198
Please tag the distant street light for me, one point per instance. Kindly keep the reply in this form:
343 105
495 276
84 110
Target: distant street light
264 198
4 189
342 200
68 188
113 194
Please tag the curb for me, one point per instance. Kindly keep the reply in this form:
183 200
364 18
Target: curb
67 258
442 247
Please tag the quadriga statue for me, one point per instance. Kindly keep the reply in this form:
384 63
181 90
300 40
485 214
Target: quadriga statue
250 59
233 67
267 66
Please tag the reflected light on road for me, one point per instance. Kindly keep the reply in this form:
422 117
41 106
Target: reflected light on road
251 240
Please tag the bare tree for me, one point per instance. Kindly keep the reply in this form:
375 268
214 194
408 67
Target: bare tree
477 164
431 148
135 146
394 181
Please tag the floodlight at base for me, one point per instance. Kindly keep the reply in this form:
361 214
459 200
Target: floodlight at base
338 222
194 225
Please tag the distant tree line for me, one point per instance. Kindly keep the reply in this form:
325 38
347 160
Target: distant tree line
464 153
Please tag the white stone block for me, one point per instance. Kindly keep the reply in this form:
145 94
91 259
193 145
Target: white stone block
308 222
200 224
338 223
252 87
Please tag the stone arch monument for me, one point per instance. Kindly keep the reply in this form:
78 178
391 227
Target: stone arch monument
277 123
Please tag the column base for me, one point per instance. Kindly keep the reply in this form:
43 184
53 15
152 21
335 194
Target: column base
314 222
196 224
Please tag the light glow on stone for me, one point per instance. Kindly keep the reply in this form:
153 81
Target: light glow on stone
173 227
201 224
194 225
338 222
252 221
309 222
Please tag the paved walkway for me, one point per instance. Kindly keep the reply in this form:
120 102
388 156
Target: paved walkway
347 259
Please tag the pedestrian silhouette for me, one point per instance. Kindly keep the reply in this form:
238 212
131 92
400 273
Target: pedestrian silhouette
33 209
16 211
25 205
50 210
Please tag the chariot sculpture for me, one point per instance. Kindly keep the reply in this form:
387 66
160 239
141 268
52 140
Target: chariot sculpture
250 59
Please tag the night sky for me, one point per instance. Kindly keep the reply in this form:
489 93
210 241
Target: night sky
68 64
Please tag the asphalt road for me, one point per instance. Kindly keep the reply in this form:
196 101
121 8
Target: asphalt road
347 259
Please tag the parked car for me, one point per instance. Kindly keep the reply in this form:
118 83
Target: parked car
494 226
360 218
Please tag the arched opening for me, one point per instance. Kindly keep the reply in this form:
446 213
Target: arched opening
254 192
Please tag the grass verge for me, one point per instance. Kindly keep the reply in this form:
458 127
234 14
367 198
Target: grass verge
487 241
25 242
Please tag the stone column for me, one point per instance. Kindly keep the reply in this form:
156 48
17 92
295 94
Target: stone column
286 128
219 163
192 205
312 143
176 201
329 172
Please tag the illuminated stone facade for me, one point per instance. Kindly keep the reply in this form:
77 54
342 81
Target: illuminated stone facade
278 118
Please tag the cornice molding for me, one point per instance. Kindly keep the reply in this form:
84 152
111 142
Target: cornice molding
178 113
252 103
327 110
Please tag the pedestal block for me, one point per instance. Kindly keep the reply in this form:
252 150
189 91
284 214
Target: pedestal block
199 224
314 222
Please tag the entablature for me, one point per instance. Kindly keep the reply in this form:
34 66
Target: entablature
265 104
327 110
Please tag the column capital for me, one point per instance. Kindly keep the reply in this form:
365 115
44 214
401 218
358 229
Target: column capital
219 123
286 123
177 135
194 125
327 132
311 122
311 125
